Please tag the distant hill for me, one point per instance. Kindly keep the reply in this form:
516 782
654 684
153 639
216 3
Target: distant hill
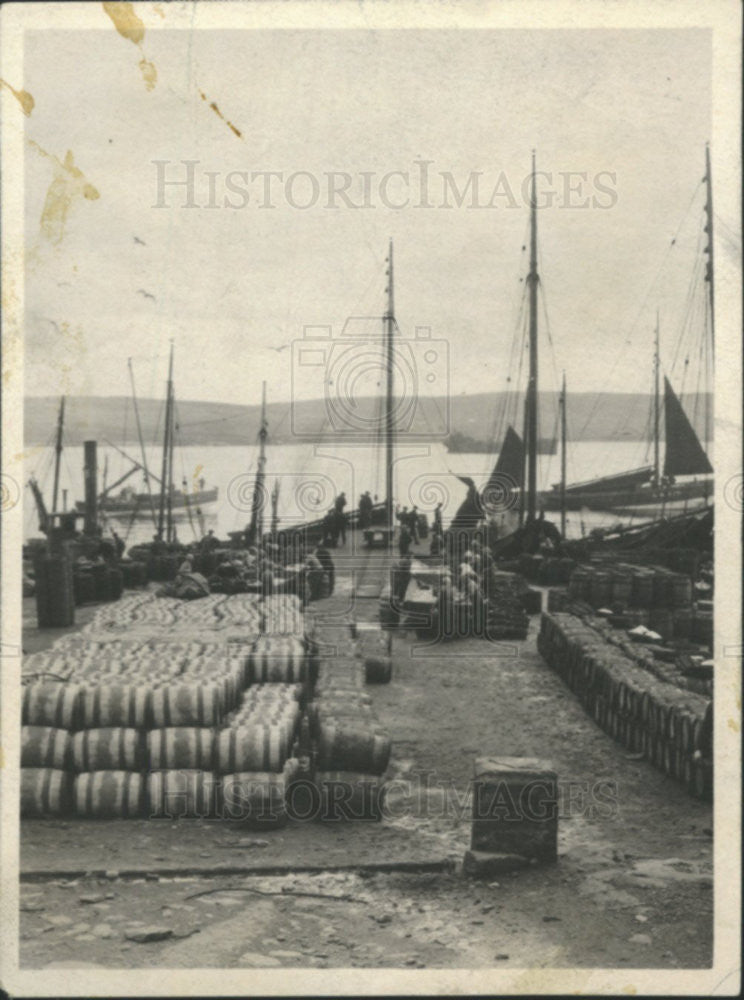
591 417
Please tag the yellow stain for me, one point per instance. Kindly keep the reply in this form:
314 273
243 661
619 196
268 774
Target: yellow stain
733 725
68 184
23 97
126 21
149 73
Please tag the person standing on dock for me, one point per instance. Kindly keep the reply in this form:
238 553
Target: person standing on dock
340 517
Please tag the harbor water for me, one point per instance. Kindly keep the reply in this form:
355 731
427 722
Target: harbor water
309 477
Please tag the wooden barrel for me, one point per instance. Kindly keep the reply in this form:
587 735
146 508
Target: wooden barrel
621 588
277 659
350 746
182 793
260 747
47 704
45 791
191 748
702 780
109 794
642 588
258 798
45 746
348 795
124 705
378 669
186 705
681 590
109 749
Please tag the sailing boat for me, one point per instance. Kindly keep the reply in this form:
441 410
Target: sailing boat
651 489
512 485
46 517
173 502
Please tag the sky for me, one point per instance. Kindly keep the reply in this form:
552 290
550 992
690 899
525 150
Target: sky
117 266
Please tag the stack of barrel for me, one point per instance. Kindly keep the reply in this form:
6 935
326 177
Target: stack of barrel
652 596
670 726
350 748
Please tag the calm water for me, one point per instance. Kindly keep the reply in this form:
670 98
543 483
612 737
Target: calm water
310 476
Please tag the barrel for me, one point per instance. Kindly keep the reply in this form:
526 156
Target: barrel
622 588
349 795
47 704
182 793
45 746
378 669
55 595
186 705
259 747
45 791
681 590
256 797
124 705
350 746
275 659
642 588
108 749
191 748
114 583
109 794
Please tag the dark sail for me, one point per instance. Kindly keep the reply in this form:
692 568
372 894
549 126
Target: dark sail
510 458
684 453
470 512
500 492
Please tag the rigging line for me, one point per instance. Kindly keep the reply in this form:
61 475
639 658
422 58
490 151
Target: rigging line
651 287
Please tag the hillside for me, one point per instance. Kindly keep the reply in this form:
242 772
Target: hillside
591 417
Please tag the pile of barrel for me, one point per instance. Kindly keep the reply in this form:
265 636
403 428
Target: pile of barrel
545 570
652 596
349 748
670 726
160 723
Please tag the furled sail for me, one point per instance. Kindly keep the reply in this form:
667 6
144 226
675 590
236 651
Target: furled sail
684 453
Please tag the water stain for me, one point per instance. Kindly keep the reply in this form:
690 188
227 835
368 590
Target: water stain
68 185
132 27
214 107
126 21
149 73
23 97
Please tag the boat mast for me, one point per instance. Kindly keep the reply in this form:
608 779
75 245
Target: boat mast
141 441
709 248
657 366
260 475
563 457
532 279
389 326
164 480
58 450
171 442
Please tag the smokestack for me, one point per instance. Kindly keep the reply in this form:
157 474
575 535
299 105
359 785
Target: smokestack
91 488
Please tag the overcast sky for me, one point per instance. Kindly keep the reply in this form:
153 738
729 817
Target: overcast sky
117 275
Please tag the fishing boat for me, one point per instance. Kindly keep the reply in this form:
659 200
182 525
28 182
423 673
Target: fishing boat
506 509
169 503
686 476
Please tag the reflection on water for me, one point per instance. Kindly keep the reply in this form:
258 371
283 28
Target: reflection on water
310 476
